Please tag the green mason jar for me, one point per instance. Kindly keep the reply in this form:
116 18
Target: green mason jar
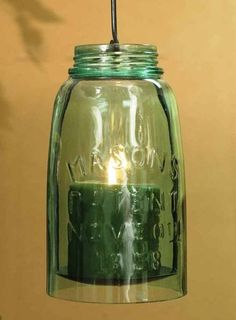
116 192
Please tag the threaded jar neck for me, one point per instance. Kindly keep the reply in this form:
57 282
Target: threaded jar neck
116 61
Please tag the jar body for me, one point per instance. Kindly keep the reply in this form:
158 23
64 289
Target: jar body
116 193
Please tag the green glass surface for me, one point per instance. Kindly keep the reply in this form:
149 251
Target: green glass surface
116 192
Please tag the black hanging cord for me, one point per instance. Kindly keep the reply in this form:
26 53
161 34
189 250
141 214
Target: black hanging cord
114 23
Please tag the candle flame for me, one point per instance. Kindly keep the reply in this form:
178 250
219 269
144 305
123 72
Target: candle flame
117 169
111 172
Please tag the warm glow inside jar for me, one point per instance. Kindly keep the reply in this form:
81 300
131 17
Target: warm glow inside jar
116 194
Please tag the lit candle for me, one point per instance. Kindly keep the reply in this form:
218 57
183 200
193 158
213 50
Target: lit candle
114 230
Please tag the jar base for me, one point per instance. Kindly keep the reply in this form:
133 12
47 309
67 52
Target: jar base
150 291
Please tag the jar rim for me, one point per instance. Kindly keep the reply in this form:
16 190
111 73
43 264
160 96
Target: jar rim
144 47
116 60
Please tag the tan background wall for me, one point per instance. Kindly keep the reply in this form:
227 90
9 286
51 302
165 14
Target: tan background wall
197 44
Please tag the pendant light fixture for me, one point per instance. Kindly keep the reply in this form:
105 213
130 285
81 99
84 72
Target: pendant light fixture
116 194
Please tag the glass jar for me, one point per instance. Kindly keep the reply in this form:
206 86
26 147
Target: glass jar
116 193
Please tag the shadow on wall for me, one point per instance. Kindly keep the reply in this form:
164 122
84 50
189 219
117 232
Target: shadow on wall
26 13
